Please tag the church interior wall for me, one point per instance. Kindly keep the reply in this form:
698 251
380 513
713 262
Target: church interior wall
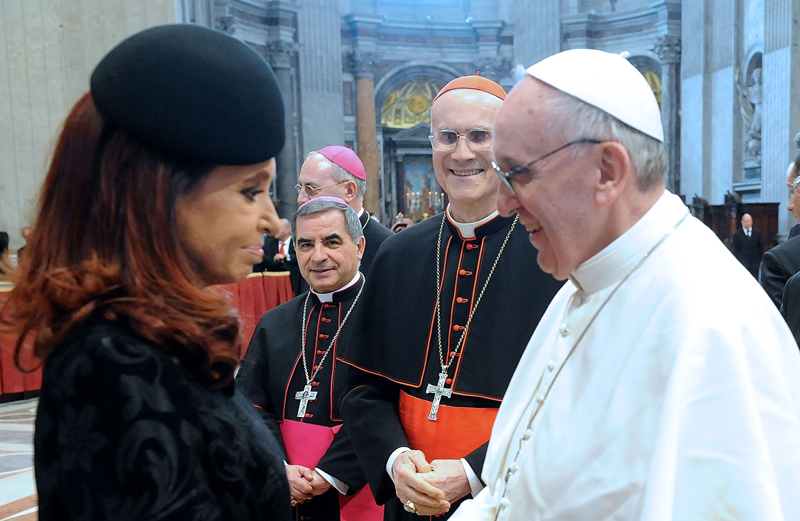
537 30
778 133
320 64
425 10
722 104
50 48
753 18
602 6
693 136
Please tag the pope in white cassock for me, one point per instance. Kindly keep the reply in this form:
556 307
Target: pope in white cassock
644 392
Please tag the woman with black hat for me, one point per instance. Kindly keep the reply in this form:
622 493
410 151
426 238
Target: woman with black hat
157 189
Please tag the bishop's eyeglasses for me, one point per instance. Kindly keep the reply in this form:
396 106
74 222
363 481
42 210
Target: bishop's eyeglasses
508 177
447 140
311 190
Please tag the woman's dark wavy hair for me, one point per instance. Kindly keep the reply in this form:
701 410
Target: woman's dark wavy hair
105 245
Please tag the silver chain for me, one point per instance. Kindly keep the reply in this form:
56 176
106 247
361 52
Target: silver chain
333 341
478 301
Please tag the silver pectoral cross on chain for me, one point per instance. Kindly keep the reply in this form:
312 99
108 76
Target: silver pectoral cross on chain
304 396
438 391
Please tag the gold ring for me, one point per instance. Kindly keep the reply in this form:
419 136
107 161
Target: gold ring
409 506
294 501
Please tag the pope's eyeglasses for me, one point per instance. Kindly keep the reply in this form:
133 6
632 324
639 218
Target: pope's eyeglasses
508 177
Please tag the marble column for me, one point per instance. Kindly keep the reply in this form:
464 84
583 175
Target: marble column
364 65
668 49
282 55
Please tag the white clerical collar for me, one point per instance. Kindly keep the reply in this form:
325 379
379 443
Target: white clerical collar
614 261
361 212
328 297
467 230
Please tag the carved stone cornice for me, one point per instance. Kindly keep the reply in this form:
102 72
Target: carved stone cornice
281 54
224 24
492 67
364 64
668 49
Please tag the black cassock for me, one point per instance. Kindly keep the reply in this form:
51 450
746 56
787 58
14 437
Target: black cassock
272 373
392 346
375 233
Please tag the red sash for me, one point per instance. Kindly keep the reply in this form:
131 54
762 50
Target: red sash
456 432
305 445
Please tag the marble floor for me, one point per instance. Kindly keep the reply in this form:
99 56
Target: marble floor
17 487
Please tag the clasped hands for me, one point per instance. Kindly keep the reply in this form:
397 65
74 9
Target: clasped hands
431 487
305 483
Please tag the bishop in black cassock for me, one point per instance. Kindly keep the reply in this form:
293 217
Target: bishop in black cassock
272 375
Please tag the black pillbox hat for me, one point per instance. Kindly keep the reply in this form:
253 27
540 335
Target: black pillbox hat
198 94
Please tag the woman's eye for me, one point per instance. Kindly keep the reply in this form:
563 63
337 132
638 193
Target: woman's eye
251 193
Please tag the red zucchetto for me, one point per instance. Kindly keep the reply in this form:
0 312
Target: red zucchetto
474 83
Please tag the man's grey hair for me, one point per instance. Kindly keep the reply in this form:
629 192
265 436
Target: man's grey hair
351 223
577 119
340 174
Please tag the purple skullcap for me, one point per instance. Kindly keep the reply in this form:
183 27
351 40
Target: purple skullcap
345 158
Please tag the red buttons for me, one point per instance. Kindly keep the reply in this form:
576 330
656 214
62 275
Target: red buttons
323 336
314 384
458 354
320 352
315 367
328 306
471 246
457 327
308 415
326 319
461 300
448 381
464 272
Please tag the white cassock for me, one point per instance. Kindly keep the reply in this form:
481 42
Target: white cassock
680 402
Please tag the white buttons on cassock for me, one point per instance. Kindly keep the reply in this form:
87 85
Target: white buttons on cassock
564 329
526 435
539 398
504 503
551 365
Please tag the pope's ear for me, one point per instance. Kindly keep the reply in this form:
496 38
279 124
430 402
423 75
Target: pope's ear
616 171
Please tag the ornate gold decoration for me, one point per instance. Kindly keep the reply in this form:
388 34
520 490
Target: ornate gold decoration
654 80
409 105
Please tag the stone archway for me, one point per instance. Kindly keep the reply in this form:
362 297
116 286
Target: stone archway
403 97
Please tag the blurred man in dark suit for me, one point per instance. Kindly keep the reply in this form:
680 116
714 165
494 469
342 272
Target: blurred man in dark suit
748 245
279 255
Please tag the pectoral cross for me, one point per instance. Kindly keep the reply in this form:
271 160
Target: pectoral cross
304 396
438 391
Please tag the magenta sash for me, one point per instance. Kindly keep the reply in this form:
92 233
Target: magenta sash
305 445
